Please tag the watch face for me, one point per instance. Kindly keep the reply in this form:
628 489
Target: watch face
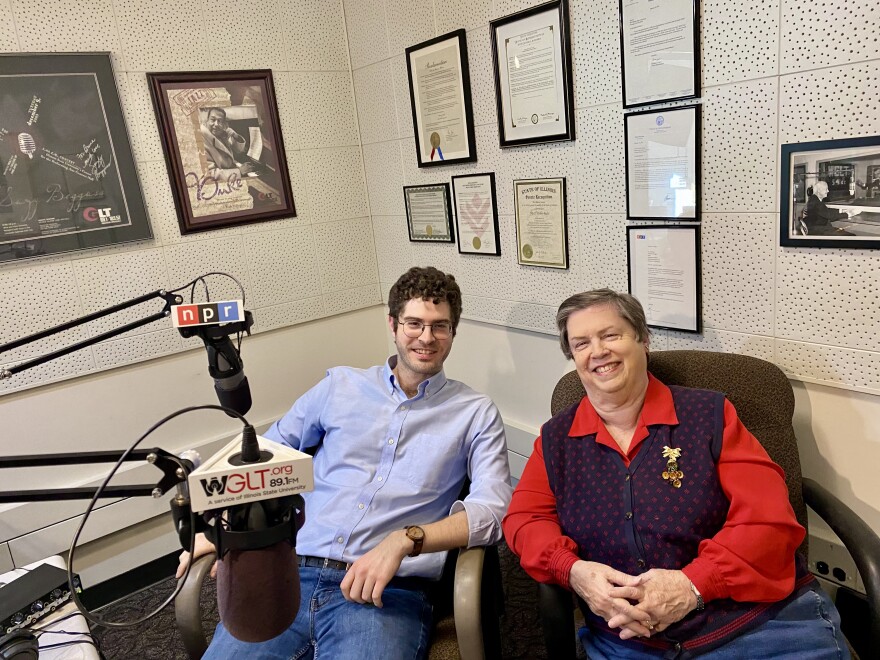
415 533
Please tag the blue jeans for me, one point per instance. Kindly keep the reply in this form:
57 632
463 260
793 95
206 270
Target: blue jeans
328 626
808 628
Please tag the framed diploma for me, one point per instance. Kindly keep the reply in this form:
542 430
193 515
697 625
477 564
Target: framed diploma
533 85
429 213
222 141
476 213
541 226
664 274
659 47
440 95
67 176
662 170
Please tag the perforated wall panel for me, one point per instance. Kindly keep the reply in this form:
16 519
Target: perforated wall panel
351 299
367 32
282 266
8 39
384 178
526 316
467 14
346 255
334 181
376 116
830 364
596 58
259 37
163 35
324 107
723 341
409 22
323 47
739 40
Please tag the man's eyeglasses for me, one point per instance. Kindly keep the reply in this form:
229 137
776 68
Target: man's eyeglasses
413 328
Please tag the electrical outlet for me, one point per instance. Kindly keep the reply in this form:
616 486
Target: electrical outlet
832 562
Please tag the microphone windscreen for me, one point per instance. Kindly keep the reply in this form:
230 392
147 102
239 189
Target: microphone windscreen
258 592
238 397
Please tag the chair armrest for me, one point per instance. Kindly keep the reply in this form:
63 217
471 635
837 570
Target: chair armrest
187 608
557 620
468 601
860 541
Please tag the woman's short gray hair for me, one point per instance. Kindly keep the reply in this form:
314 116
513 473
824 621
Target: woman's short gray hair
627 306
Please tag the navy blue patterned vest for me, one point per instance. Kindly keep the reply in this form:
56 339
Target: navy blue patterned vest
633 519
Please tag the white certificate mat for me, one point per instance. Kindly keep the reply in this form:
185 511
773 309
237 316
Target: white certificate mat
662 170
476 213
657 48
664 274
428 213
541 228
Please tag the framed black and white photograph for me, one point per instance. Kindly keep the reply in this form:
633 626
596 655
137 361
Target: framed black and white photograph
429 213
830 193
533 81
659 51
476 213
222 141
440 97
67 175
662 165
541 223
664 274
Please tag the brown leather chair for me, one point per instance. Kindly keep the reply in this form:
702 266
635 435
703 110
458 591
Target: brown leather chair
764 400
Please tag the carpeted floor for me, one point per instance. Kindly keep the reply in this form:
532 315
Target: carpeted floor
159 639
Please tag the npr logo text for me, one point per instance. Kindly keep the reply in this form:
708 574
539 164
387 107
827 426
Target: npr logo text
224 311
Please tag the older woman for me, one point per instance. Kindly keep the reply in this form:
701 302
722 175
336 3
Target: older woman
662 512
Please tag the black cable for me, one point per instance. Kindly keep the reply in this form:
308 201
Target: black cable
192 518
201 278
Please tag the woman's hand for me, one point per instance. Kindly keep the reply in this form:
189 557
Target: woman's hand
664 596
202 547
596 584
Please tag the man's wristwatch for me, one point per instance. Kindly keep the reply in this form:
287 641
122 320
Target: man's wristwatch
700 604
417 535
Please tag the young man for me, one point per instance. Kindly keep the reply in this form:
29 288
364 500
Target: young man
396 443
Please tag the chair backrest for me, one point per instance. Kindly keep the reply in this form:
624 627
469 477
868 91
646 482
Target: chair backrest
759 391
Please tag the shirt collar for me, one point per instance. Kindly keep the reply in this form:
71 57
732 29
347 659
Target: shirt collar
427 387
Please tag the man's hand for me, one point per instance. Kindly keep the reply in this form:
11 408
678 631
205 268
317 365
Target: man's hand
202 547
596 584
665 596
369 575
247 168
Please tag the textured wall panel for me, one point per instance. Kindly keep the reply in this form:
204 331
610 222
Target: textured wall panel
402 105
282 266
8 38
279 316
143 129
374 89
76 364
602 239
188 261
288 113
739 147
550 286
259 40
393 249
384 178
740 40
346 254
468 14
334 184
367 31
162 35
596 52
410 22
324 107
349 300
94 19
506 7
601 179
526 316
828 296
828 33
737 265
323 47
116 352
541 161
482 78
830 104
830 364
490 276
721 341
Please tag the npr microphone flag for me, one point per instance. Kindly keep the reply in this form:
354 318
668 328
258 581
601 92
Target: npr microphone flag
212 313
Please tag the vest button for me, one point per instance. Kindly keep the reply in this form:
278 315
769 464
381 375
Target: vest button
641 563
629 515
626 478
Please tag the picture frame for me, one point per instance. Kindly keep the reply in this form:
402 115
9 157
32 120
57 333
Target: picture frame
476 214
536 103
664 273
659 51
662 165
68 179
429 213
221 136
541 222
440 100
830 193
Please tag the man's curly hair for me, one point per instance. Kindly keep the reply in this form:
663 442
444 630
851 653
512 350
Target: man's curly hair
425 284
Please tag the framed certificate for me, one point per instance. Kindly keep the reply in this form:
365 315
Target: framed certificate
659 47
541 226
476 213
429 213
664 274
662 170
533 86
440 95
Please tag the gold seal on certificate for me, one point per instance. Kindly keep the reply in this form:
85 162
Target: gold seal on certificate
476 242
541 228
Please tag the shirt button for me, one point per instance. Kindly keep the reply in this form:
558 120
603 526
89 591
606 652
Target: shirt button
629 515
340 540
641 563
360 506
379 479
390 441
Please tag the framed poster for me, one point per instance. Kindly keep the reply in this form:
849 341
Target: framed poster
533 85
476 213
830 193
541 224
67 176
659 51
429 213
664 274
223 147
662 169
440 97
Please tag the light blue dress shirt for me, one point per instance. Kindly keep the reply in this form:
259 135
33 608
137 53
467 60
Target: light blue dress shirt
386 461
